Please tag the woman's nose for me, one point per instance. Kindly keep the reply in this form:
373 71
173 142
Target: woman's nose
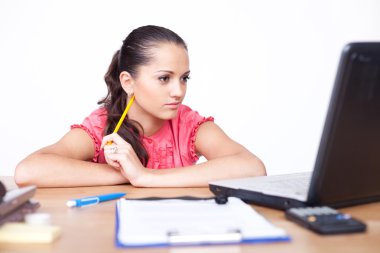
178 89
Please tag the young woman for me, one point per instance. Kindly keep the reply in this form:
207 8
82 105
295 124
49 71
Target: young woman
160 140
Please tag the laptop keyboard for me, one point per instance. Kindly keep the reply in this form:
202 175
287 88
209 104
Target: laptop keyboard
287 184
298 186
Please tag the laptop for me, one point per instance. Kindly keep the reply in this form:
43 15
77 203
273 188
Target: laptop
347 166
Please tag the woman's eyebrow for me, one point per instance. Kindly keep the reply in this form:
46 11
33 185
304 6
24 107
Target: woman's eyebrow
166 71
171 72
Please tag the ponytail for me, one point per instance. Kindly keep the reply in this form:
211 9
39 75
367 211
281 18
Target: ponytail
115 103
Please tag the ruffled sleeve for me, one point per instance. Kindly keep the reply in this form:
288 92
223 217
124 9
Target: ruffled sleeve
190 121
94 125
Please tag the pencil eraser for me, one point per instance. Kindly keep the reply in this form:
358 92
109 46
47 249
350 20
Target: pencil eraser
71 203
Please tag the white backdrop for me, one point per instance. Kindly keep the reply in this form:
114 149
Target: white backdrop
263 69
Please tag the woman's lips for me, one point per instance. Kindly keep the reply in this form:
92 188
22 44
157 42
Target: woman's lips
173 105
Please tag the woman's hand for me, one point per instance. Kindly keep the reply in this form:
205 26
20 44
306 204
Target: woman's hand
121 156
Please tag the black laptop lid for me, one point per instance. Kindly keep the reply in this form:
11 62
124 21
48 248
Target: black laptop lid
347 168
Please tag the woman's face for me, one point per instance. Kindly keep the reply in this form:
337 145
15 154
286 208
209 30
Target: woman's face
160 86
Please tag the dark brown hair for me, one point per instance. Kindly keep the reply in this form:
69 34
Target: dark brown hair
135 52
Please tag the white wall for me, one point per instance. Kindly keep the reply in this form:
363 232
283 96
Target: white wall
263 69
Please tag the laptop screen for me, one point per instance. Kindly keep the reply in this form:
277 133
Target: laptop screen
347 167
348 161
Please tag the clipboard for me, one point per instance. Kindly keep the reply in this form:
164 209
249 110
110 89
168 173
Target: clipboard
190 222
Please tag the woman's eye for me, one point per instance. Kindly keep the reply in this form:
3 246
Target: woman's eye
163 78
186 78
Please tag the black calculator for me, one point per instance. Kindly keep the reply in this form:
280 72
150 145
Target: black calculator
325 220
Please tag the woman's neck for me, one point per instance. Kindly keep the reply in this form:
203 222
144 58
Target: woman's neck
150 124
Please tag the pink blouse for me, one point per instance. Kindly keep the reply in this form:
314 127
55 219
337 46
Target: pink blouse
172 146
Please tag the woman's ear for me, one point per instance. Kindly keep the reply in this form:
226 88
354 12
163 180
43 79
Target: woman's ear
127 82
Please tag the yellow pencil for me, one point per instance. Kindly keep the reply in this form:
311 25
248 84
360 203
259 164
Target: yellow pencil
122 117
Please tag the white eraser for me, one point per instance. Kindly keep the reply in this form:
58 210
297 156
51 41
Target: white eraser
38 219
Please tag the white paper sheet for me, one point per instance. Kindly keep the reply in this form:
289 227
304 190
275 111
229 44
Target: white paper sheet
159 222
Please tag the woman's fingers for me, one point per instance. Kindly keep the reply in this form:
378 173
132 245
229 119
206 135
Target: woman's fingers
120 155
111 149
116 150
110 139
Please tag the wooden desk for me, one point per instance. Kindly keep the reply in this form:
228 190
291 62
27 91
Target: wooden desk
92 229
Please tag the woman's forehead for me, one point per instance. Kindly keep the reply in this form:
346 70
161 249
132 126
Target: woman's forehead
169 56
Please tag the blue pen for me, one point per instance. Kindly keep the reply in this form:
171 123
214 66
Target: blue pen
93 200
